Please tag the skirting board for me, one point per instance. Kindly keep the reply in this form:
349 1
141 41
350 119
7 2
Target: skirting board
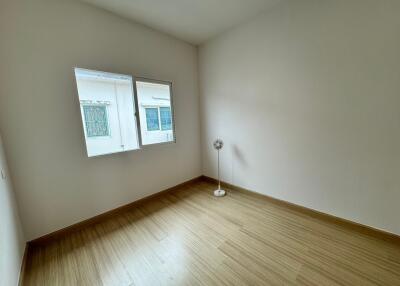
101 217
360 228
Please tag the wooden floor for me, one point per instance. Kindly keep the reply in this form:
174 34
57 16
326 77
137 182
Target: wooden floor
189 237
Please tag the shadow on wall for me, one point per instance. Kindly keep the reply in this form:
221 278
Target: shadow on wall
238 161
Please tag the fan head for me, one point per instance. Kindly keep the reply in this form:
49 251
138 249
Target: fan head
218 144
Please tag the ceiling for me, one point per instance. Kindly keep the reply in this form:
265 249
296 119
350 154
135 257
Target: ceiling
194 21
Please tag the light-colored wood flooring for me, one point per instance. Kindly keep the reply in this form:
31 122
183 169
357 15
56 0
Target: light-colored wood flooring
189 237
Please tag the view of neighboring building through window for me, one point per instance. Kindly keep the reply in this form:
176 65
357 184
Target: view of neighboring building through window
154 103
108 111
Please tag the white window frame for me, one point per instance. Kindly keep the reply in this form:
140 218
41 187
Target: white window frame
136 108
169 83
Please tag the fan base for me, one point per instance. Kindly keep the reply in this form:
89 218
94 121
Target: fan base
219 193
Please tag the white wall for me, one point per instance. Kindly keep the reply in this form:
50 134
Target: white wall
56 183
307 99
12 242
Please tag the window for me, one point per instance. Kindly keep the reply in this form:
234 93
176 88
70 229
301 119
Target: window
154 115
96 120
108 112
154 104
116 119
152 119
165 118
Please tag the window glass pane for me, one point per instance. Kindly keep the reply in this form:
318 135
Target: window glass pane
108 111
96 120
152 119
165 117
155 111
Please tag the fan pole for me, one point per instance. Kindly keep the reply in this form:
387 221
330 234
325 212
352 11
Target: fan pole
218 144
219 181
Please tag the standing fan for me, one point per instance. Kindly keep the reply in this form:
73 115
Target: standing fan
218 144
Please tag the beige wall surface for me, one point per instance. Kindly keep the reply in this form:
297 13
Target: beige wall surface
12 241
56 184
306 98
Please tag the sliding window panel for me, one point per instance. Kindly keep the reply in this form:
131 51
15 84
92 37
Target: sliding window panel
108 112
155 111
